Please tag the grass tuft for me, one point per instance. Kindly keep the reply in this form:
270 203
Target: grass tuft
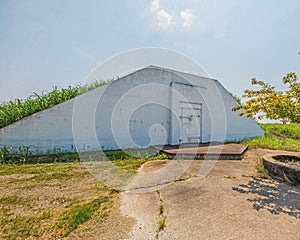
260 166
229 177
161 223
161 209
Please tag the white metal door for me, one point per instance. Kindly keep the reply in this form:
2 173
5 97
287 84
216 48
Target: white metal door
190 122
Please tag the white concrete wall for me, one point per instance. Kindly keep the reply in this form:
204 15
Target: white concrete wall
219 122
137 110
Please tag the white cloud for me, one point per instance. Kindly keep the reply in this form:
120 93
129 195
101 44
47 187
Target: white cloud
164 19
154 7
187 18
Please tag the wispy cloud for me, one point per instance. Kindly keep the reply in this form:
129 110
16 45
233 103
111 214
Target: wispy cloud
154 6
164 19
187 18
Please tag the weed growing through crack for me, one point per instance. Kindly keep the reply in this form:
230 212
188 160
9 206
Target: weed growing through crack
161 223
162 218
184 177
260 167
229 177
161 209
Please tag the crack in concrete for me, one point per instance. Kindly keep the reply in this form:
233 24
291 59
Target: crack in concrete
162 216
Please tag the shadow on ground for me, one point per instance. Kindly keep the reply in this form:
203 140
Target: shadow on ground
277 198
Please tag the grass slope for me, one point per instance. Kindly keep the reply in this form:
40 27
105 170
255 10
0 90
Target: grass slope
13 111
278 137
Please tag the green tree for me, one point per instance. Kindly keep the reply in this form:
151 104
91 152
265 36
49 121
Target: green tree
268 103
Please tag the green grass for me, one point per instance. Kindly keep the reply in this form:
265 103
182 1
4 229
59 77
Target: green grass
283 131
229 177
133 164
135 157
39 170
278 137
22 227
161 209
71 219
23 155
161 223
11 200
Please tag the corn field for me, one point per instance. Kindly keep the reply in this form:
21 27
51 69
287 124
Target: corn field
13 111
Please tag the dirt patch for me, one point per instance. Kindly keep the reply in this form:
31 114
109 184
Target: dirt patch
154 165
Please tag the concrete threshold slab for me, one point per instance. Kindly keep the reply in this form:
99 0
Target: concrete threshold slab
214 151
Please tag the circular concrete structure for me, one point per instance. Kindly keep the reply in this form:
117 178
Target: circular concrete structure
285 165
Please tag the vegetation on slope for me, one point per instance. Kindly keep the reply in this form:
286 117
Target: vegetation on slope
277 136
13 111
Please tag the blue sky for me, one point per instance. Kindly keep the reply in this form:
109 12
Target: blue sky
57 43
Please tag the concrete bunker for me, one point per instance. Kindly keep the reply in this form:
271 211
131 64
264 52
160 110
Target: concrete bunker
150 106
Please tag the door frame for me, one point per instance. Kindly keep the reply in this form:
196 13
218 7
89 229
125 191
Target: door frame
177 98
